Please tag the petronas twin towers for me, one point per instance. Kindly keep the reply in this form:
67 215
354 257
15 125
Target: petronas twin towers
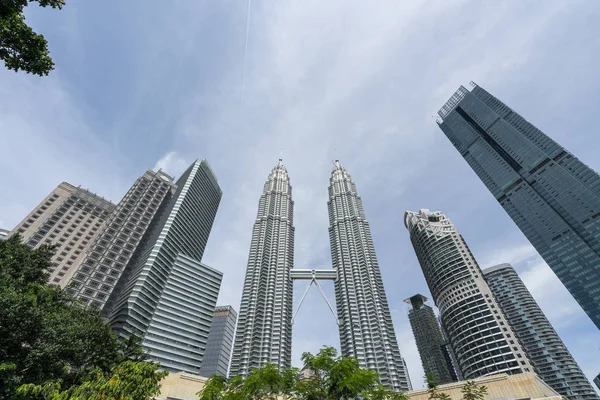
264 332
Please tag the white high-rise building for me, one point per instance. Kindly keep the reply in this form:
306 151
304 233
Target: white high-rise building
264 332
482 340
69 218
365 323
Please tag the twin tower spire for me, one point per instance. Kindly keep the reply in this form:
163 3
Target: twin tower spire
264 332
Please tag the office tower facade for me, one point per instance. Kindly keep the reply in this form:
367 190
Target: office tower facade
105 262
449 353
597 381
264 331
430 342
220 342
552 196
167 296
550 358
482 340
70 218
408 381
365 324
4 234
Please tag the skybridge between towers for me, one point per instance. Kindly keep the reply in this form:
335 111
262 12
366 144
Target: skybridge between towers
314 275
264 331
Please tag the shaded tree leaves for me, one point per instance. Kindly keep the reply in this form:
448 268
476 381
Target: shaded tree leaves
20 47
325 377
49 340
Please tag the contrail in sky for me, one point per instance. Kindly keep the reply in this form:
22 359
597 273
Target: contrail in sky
245 54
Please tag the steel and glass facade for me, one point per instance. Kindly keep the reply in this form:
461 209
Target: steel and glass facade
105 261
220 342
408 381
550 358
264 331
265 323
168 296
551 195
365 323
482 340
430 342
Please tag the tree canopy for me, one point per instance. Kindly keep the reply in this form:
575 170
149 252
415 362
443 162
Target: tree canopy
20 47
129 380
325 376
52 343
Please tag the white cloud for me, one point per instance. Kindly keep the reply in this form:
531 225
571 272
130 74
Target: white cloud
172 164
513 255
45 139
549 292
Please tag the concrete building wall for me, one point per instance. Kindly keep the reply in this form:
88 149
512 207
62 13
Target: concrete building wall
499 387
181 386
70 218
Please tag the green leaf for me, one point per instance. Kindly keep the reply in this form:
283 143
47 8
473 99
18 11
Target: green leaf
20 47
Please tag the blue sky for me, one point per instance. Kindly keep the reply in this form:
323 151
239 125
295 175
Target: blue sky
144 84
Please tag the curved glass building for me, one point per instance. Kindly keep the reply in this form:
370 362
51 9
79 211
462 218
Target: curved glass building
482 340
546 351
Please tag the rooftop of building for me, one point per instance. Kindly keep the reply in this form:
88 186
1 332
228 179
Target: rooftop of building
453 101
496 268
225 309
499 387
417 301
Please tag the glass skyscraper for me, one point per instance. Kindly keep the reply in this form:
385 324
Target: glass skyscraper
550 358
167 296
220 341
552 196
105 261
430 342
